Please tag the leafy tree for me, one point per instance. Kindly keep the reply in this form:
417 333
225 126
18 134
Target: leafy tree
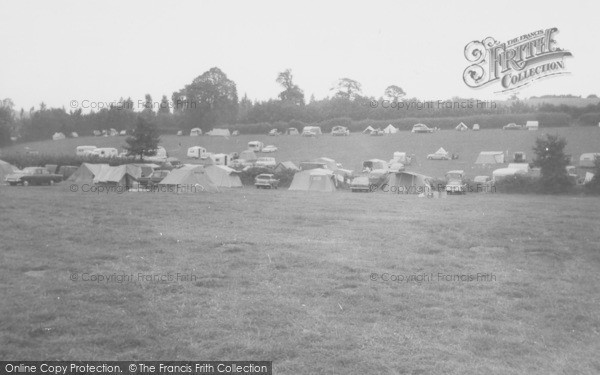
551 158
394 93
347 88
164 106
6 122
291 91
144 140
148 111
210 100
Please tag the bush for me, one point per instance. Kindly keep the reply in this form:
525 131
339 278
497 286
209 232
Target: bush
518 184
589 119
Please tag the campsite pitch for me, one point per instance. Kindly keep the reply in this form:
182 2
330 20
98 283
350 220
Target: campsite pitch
318 283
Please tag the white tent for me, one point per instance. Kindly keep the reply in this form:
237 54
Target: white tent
58 136
475 126
490 157
588 177
521 166
501 173
441 151
532 125
219 133
368 130
195 132
223 176
390 129
74 135
461 127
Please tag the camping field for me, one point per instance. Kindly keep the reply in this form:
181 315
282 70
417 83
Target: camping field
351 151
318 283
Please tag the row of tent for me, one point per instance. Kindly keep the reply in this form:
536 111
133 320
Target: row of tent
215 132
59 136
209 177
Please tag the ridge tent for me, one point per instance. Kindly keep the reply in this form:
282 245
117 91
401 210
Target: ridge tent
368 130
191 178
490 157
588 160
122 175
408 183
286 165
390 129
441 151
314 180
219 133
461 127
195 132
5 170
86 173
58 136
223 176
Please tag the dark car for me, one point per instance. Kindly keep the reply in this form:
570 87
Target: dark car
266 181
154 178
34 176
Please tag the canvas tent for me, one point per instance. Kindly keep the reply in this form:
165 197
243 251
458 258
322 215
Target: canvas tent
475 126
368 130
408 183
74 135
588 160
85 173
502 173
390 129
441 151
195 132
521 166
58 136
292 131
286 165
189 178
248 155
219 133
5 170
329 162
588 177
532 125
314 180
490 157
461 127
122 175
223 176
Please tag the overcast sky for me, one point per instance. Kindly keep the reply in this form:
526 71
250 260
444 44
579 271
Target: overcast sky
58 51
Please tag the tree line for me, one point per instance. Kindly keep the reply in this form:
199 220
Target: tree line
211 100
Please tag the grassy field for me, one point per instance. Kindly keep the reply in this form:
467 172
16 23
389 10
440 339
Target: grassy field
297 279
352 150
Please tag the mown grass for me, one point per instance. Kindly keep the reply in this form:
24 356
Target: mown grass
286 276
353 150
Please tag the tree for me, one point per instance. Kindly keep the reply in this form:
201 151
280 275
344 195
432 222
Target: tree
211 99
6 122
347 88
291 91
164 106
394 93
148 111
550 157
144 140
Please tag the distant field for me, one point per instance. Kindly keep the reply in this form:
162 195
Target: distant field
352 150
297 279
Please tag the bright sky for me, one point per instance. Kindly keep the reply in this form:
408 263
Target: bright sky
58 51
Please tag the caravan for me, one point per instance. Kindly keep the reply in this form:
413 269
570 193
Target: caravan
105 152
84 150
255 146
197 152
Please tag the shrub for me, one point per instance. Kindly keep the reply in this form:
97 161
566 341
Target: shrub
518 184
589 119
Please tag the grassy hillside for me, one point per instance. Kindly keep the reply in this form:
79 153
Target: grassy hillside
315 300
352 150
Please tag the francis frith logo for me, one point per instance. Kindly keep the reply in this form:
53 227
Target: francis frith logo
515 63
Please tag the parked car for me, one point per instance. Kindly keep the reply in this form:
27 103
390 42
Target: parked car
154 179
440 156
360 183
265 162
266 181
269 148
309 133
512 126
274 132
33 176
340 131
421 128
455 183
